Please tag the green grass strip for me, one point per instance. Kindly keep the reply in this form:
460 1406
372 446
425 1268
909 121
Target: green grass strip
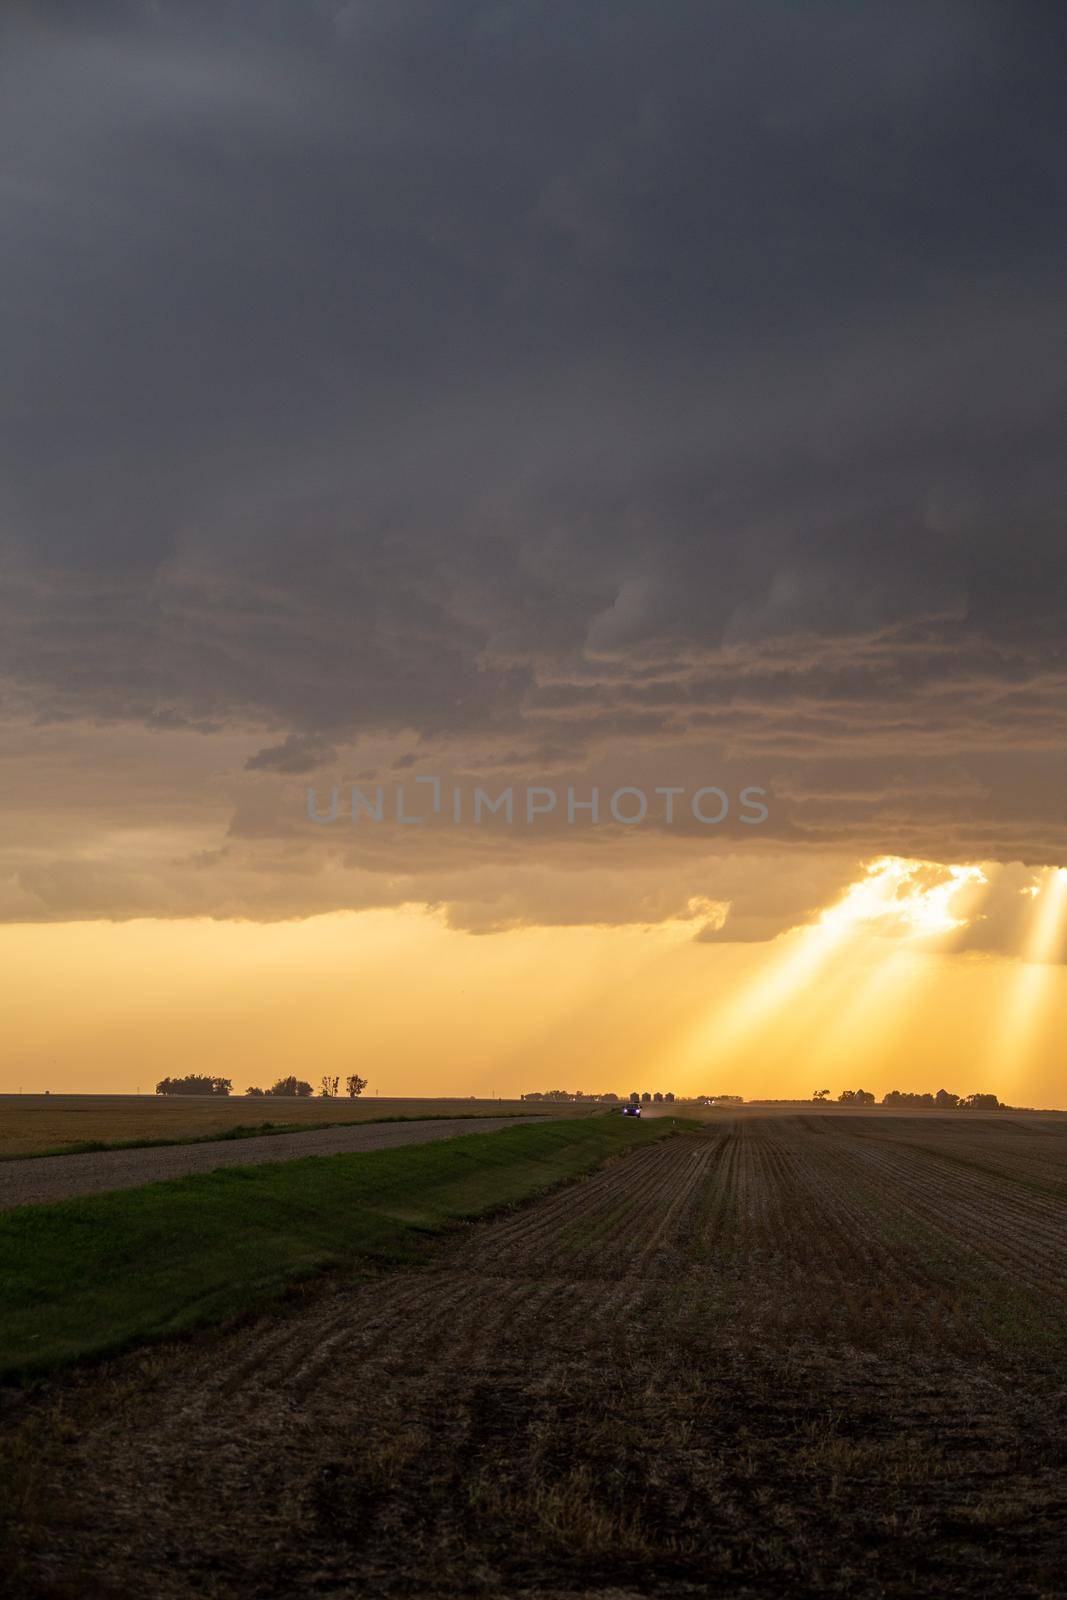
93 1276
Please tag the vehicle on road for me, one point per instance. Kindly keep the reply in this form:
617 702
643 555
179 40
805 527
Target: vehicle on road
631 1111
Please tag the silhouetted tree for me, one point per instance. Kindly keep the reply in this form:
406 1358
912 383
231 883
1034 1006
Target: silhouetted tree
295 1087
821 1094
195 1083
355 1085
847 1097
864 1097
329 1086
254 1090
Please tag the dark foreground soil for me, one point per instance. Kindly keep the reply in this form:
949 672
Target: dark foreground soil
785 1357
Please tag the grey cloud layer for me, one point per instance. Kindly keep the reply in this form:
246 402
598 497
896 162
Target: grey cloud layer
550 382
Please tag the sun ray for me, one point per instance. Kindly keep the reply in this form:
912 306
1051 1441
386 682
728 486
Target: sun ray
1032 991
866 949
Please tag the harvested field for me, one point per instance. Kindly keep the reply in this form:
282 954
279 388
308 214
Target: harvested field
49 1178
792 1355
39 1124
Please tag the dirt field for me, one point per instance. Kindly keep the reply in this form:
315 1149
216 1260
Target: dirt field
784 1356
46 1178
32 1124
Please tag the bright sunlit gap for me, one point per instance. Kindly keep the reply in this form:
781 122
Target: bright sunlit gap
1031 993
861 965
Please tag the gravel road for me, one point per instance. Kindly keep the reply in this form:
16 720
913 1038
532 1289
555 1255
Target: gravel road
45 1178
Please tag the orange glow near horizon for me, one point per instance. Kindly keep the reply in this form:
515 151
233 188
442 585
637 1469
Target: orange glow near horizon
866 996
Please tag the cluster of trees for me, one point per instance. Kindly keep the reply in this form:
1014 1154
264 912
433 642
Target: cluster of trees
577 1094
354 1086
329 1089
566 1094
943 1099
195 1083
295 1088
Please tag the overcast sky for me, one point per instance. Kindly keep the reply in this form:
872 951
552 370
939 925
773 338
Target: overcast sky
642 393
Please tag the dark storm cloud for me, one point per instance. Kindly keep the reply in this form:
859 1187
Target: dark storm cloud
297 753
549 376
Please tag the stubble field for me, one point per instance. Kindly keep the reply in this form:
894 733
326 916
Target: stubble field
797 1355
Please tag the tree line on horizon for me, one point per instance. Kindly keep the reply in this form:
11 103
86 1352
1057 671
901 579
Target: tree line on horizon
636 1097
943 1100
291 1087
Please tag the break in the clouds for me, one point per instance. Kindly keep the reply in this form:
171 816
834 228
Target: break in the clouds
568 387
